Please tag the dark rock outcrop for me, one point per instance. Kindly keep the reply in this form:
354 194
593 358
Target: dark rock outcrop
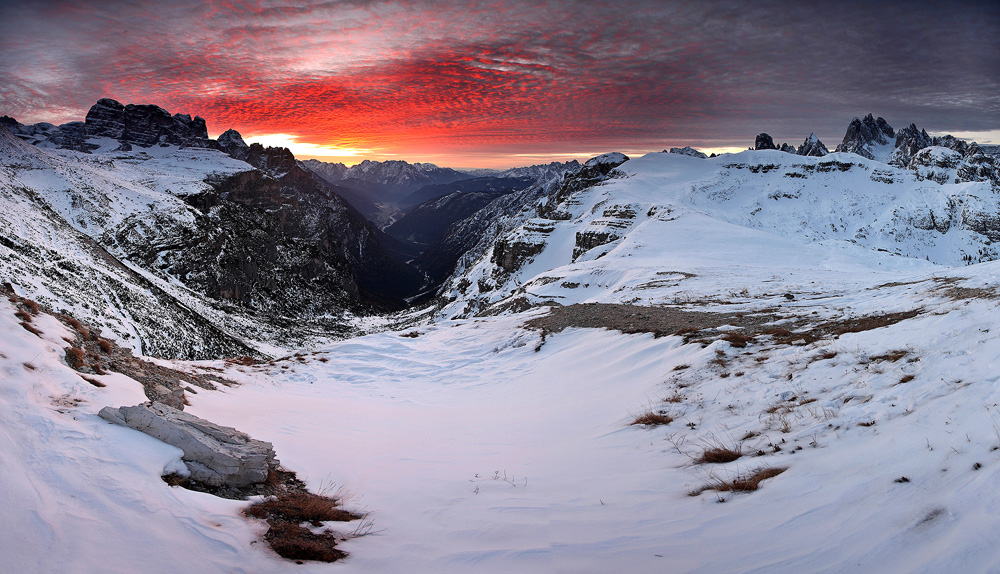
763 141
812 147
688 151
144 125
909 141
862 134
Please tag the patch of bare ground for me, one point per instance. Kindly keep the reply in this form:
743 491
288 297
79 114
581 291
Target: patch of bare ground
629 319
964 293
701 326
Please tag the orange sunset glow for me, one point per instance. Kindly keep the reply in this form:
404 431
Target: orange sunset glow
485 84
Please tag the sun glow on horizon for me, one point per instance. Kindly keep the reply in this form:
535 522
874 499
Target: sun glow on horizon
305 149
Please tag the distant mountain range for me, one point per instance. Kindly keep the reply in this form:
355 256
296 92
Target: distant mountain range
134 218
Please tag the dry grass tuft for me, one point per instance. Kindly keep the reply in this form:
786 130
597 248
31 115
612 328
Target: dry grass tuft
285 514
301 507
74 356
94 382
891 356
906 379
31 305
825 355
76 325
738 339
719 455
31 329
244 361
29 366
748 483
649 418
104 344
682 367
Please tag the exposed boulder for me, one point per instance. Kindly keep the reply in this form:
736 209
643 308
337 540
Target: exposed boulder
215 455
812 147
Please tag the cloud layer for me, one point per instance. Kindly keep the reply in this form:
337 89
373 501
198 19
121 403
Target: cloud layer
484 79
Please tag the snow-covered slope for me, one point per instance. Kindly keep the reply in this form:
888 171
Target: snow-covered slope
61 208
661 214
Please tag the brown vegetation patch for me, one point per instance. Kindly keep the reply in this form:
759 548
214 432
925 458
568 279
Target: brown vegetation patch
738 339
301 507
870 322
296 542
719 455
891 356
650 418
288 510
742 483
89 353
825 355
30 328
906 378
94 382
964 293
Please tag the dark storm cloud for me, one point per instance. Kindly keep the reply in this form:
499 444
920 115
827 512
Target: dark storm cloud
509 76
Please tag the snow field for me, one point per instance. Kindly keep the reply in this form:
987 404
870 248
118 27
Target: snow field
415 429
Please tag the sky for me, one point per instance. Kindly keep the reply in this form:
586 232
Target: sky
501 84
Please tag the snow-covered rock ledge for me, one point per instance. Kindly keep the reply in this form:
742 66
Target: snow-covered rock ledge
215 455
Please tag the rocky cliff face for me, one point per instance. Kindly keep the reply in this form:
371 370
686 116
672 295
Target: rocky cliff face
131 125
144 125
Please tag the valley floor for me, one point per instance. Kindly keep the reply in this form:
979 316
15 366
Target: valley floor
478 447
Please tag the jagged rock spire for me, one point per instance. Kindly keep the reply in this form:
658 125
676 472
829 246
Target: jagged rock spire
812 147
862 134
